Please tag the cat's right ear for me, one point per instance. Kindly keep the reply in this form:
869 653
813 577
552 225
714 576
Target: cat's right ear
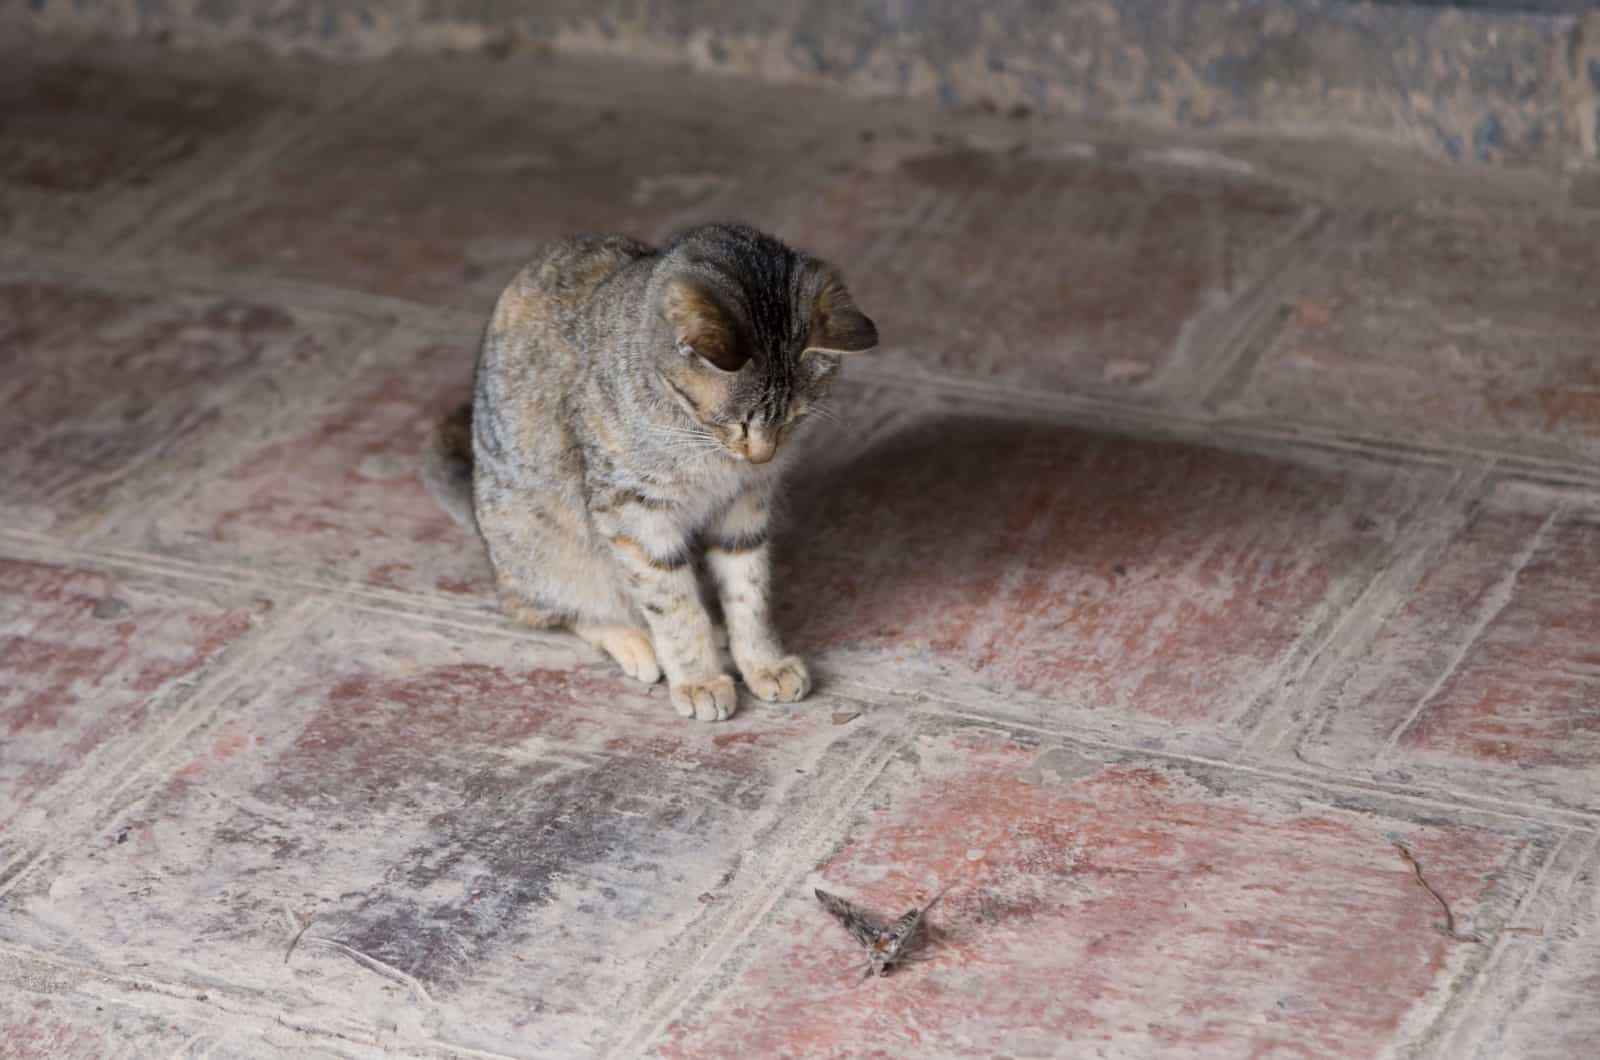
701 327
837 326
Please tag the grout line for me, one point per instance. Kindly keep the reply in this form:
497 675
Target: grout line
221 1001
1089 408
807 841
1095 411
205 191
188 716
1192 376
442 613
29 546
1415 549
1495 601
1441 1040
1228 383
1481 957
1445 799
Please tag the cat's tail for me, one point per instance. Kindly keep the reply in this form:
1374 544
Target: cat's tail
447 464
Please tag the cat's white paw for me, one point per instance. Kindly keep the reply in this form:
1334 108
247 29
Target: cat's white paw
711 700
782 681
629 646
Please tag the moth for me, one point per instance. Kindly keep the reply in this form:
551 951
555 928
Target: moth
887 944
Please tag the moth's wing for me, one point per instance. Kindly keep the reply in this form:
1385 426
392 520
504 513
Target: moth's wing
862 925
902 928
902 933
898 940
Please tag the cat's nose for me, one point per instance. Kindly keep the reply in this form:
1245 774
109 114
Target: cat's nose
758 450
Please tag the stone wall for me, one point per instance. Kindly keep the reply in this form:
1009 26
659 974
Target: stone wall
1511 83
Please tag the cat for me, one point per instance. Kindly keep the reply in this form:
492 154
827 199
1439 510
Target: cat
633 412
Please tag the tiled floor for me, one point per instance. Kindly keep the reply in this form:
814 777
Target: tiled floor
1203 586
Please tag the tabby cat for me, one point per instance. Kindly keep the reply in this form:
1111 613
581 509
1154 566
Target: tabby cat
634 409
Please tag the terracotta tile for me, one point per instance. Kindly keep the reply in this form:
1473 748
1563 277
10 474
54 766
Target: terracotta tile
333 493
90 663
518 847
1043 272
1043 570
1488 672
1116 908
1446 328
440 196
103 383
78 137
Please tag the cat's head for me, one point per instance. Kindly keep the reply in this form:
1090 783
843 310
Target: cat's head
751 336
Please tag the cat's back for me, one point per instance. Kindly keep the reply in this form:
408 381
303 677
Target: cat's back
537 310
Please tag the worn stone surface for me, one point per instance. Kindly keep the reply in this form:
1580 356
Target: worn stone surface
101 383
1552 1017
1489 668
334 496
250 692
1055 571
334 493
440 196
50 1028
462 819
1044 272
78 139
1490 86
90 665
55 1011
1476 329
1108 908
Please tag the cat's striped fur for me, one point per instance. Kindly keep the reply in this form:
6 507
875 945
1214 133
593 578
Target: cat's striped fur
632 412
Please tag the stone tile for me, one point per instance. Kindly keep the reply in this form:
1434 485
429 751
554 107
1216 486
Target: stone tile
1110 908
1554 1017
54 1011
86 146
333 494
483 840
1059 574
1487 673
1445 328
440 194
104 383
90 664
44 1028
1043 272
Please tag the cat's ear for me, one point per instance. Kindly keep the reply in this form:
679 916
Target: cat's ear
700 325
837 326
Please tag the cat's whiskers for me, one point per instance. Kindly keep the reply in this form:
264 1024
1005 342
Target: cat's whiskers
824 412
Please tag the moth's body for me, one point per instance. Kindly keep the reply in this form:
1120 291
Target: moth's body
630 410
886 945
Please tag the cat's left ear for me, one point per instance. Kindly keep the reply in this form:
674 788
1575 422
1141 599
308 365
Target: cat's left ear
701 326
837 326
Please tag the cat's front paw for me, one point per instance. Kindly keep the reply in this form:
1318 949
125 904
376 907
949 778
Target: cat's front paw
782 681
711 700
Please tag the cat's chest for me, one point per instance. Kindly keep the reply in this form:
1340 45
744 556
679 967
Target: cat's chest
695 498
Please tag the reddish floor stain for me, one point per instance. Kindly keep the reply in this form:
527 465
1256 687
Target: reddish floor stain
336 493
73 683
982 545
1129 910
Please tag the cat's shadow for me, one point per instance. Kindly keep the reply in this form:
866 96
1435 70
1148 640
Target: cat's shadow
958 531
